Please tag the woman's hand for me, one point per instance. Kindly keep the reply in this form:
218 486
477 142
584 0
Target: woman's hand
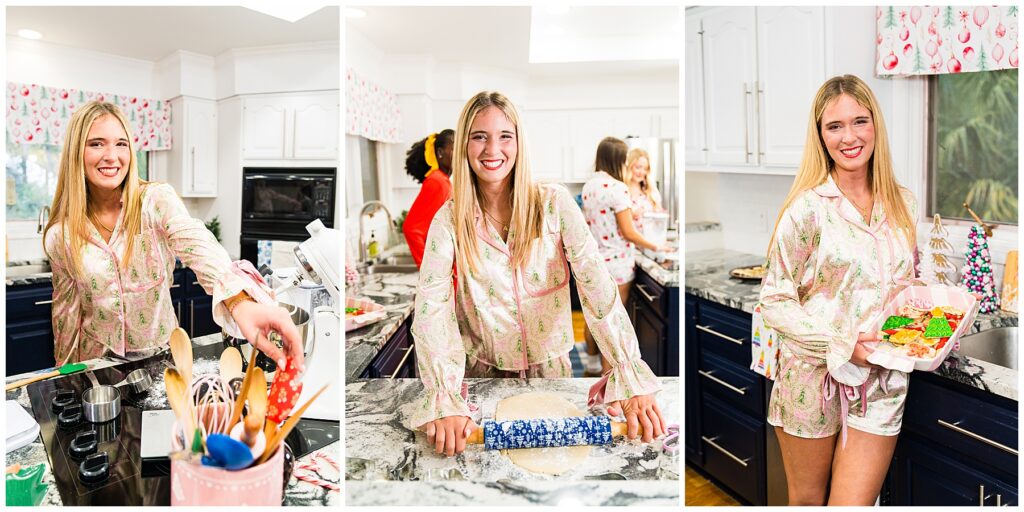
448 434
864 347
640 411
257 320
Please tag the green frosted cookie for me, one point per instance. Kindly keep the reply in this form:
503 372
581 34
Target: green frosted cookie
895 322
938 328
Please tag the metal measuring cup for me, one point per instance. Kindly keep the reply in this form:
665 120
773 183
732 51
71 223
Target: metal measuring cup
100 403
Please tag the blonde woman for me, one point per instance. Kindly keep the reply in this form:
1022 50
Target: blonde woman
512 243
843 245
643 192
112 240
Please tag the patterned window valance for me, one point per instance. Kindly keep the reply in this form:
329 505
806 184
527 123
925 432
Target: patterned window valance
371 111
38 114
930 40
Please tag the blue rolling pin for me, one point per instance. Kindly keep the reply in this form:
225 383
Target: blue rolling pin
547 432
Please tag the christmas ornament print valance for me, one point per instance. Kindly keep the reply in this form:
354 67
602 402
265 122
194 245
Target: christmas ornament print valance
922 40
37 114
371 111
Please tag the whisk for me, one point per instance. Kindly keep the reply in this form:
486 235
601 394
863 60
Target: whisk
212 399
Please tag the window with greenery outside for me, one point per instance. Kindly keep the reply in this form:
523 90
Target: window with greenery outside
974 145
32 171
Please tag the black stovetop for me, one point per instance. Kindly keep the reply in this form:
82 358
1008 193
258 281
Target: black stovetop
121 438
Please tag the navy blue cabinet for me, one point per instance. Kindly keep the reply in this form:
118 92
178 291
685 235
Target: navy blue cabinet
725 401
397 358
29 328
30 331
653 308
958 446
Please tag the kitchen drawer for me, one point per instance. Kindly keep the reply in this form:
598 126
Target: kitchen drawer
734 449
929 474
29 345
647 291
27 302
724 331
394 355
964 423
735 384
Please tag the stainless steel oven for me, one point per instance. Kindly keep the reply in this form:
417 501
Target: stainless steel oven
278 203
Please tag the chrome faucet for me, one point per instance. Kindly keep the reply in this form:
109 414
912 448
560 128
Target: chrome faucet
371 207
44 217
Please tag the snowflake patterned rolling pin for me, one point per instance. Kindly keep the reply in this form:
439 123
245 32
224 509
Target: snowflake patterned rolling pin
548 432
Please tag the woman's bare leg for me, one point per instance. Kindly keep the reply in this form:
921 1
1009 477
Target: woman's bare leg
808 463
859 469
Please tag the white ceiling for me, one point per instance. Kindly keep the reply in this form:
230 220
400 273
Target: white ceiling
500 37
152 33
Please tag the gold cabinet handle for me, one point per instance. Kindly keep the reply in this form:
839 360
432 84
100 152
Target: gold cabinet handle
720 335
708 375
956 428
44 302
742 462
402 362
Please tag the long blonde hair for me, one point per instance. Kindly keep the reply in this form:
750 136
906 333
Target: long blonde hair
527 207
71 201
647 186
816 163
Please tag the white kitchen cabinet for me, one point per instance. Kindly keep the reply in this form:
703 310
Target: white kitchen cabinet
290 127
547 136
750 87
791 68
192 160
730 70
696 145
563 143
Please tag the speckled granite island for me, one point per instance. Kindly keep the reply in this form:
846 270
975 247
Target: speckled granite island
707 277
298 493
388 464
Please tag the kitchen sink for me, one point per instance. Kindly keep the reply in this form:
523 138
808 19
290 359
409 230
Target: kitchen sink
27 270
996 346
382 268
398 259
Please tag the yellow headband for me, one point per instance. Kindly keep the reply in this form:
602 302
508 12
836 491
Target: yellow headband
428 152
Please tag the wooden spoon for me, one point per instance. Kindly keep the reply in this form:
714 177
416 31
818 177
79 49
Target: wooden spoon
287 427
180 404
236 414
257 397
181 352
230 364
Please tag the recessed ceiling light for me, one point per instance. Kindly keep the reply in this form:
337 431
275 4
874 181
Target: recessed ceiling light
288 12
28 33
352 12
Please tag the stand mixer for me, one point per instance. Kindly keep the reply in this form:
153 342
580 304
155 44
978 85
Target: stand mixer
319 261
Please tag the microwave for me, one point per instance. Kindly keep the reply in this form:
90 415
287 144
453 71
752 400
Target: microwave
289 195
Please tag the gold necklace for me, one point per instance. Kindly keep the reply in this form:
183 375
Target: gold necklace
101 224
865 213
504 225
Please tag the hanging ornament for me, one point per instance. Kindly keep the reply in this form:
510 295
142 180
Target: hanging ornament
969 53
915 14
931 48
1013 57
953 65
907 49
1000 30
964 36
980 16
904 34
890 61
997 52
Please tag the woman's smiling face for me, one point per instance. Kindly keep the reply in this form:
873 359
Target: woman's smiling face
492 146
848 132
107 154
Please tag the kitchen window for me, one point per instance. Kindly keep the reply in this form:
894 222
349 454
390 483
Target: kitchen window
973 145
32 171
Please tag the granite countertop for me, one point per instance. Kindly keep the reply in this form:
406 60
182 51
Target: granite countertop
665 277
396 292
298 493
388 464
697 227
45 277
707 277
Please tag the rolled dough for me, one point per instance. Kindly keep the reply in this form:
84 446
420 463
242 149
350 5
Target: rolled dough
526 406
